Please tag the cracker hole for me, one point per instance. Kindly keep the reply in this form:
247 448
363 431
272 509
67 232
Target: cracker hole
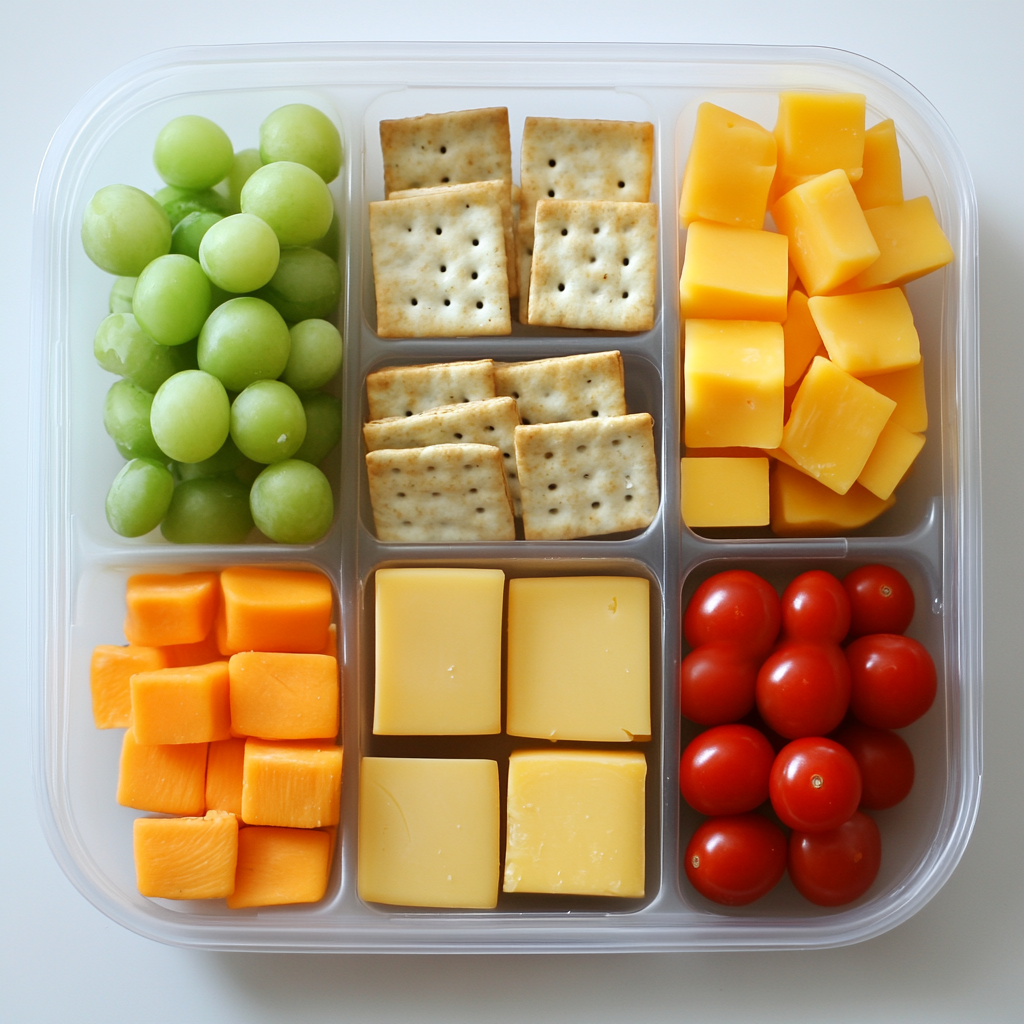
396 471
595 504
474 275
435 494
444 181
625 261
443 268
447 302
459 436
479 305
515 394
549 455
408 412
405 522
430 469
553 511
437 231
472 490
565 231
551 163
594 412
597 231
625 295
401 494
593 259
526 423
414 302
586 476
490 428
616 441
622 184
552 487
476 241
479 510
561 287
581 447
507 455
551 193
444 149
629 497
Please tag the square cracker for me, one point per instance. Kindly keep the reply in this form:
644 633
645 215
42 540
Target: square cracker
500 191
445 493
446 149
567 388
491 422
439 266
594 265
407 390
585 478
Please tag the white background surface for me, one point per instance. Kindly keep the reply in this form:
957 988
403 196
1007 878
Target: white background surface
959 959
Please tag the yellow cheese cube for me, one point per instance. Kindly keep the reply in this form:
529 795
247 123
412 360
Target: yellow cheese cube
579 658
429 832
280 865
576 822
729 170
733 274
801 337
438 651
724 492
867 333
911 244
881 184
829 237
906 389
801 507
816 133
892 456
733 373
834 424
186 858
294 783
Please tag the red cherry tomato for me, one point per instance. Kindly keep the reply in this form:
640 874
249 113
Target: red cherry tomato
814 785
815 609
881 600
736 607
725 770
803 689
893 680
836 867
885 762
716 684
736 859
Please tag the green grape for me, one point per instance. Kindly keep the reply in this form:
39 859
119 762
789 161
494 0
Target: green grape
303 134
189 232
121 292
138 497
291 502
172 299
267 421
240 254
123 229
245 162
315 356
192 152
323 426
208 510
126 419
178 203
190 416
306 286
122 347
292 199
330 244
243 341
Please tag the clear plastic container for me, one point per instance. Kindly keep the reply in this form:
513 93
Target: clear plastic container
933 534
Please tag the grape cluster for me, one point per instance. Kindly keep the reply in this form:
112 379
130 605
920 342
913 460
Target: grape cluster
219 326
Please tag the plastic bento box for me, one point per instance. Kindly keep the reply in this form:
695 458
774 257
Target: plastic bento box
933 534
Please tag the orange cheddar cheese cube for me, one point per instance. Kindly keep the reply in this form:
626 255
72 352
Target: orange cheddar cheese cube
733 274
284 696
224 775
891 458
729 170
275 610
881 184
867 333
201 653
186 858
834 424
724 492
280 865
829 238
181 705
801 337
906 389
294 784
168 608
110 672
165 778
801 507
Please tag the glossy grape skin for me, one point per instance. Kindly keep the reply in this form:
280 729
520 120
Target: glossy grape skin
226 461
126 419
124 229
188 233
192 152
245 162
121 292
315 355
138 498
291 502
267 421
172 299
323 426
305 135
243 341
208 510
292 199
178 203
306 285
121 346
240 253
190 416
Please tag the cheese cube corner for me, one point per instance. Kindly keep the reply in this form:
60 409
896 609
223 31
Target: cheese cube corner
186 858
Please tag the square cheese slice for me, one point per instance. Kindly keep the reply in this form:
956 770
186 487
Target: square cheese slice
438 652
429 832
576 822
579 658
724 492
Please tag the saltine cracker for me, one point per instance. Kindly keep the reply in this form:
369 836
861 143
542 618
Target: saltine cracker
407 390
